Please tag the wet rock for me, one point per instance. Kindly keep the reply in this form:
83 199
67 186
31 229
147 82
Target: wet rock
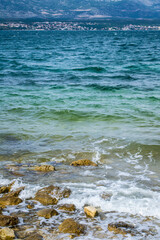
1 210
34 236
47 213
106 196
4 189
30 206
121 228
44 168
7 234
83 162
21 234
49 190
72 236
64 193
71 226
17 174
45 199
7 200
90 211
58 192
14 193
68 207
8 220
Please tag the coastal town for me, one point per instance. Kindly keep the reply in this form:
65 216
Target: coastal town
76 26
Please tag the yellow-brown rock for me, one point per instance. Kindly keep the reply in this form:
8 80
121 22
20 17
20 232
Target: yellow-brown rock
121 228
34 236
83 162
7 234
4 189
49 190
30 206
90 211
8 220
65 193
68 207
58 192
14 193
71 226
44 168
45 199
7 200
47 213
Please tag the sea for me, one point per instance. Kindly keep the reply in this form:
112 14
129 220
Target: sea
70 95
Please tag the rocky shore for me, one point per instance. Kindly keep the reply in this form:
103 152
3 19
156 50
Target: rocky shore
43 216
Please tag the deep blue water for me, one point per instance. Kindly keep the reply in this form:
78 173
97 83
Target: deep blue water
95 84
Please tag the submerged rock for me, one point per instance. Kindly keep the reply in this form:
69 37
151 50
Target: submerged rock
47 213
71 226
83 162
65 193
106 196
121 228
44 168
68 207
91 211
34 236
8 220
7 234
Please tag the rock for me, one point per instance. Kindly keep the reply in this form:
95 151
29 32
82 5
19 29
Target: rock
8 220
1 210
65 193
70 226
14 193
7 200
45 199
83 162
49 190
6 234
4 189
34 236
16 173
72 236
91 211
68 207
43 195
106 196
47 213
44 168
30 206
121 228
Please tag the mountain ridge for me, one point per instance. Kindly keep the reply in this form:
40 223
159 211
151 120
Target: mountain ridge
82 9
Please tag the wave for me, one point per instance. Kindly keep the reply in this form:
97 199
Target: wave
107 88
90 69
74 115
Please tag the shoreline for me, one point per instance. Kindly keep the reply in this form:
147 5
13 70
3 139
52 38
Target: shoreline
51 209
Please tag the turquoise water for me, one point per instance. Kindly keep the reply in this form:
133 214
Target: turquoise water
96 95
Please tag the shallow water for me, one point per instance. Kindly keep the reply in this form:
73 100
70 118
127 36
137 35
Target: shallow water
71 95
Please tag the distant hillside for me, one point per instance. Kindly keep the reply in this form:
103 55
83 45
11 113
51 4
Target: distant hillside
80 9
